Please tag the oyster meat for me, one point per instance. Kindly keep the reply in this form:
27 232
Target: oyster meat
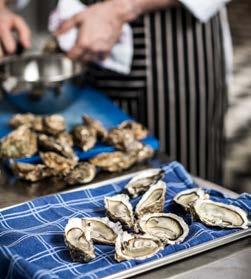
103 230
96 125
133 246
140 183
120 209
153 200
84 137
21 142
168 227
27 119
139 131
188 197
78 240
81 174
53 124
219 214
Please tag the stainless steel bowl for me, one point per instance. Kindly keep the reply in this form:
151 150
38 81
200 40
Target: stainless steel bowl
41 83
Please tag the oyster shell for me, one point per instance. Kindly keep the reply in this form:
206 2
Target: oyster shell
219 214
103 230
84 137
53 124
168 227
153 200
114 161
146 152
140 247
140 183
120 209
65 138
27 119
188 197
78 240
139 131
96 125
21 142
81 174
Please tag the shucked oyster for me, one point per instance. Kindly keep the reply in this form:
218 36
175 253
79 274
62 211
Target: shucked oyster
168 227
153 200
81 174
30 120
85 137
219 214
22 142
140 247
140 183
96 125
78 240
53 124
103 230
139 131
120 209
188 197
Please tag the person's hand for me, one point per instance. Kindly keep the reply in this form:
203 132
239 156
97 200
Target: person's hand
8 23
100 27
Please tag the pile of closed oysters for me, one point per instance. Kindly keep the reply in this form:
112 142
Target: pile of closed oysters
48 137
144 231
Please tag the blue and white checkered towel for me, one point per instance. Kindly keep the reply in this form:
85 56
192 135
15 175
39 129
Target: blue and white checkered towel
32 234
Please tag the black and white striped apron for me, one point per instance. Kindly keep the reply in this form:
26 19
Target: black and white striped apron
177 87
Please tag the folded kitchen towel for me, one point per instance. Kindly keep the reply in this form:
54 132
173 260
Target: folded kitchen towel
32 234
120 58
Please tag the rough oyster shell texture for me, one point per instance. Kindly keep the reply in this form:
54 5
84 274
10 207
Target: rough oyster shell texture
53 124
138 130
78 240
219 214
85 137
28 119
168 227
96 125
140 247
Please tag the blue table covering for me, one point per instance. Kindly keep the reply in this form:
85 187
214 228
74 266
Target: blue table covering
91 102
32 234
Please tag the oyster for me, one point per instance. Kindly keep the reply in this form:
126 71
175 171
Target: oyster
188 197
140 183
81 174
53 124
27 119
114 161
96 125
168 227
84 137
219 214
59 164
139 131
140 247
153 200
144 153
65 138
103 230
21 142
31 172
78 240
120 209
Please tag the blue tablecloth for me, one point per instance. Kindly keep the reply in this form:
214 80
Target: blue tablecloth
32 234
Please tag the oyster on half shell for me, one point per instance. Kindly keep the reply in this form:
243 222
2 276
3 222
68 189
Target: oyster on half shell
140 183
120 209
188 197
153 200
133 246
219 214
78 240
168 227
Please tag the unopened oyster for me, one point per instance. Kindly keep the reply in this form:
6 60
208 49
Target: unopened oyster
140 183
103 230
78 240
139 131
96 125
139 247
120 209
219 214
81 174
53 124
28 119
65 138
84 137
153 200
22 142
113 161
188 197
59 164
31 172
168 227
146 152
